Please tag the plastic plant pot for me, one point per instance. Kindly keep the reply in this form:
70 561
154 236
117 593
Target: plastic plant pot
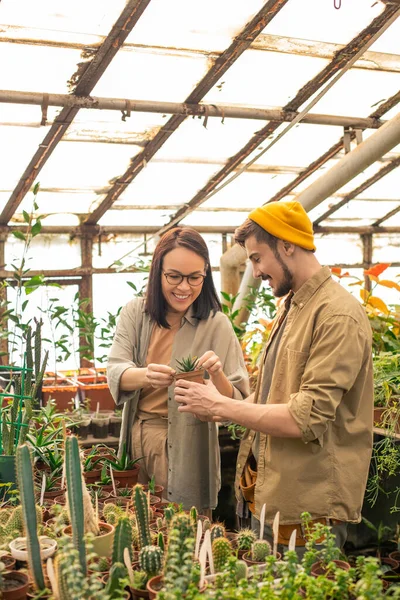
115 426
100 425
19 550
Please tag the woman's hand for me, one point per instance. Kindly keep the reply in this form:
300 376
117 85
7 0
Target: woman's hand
210 362
159 376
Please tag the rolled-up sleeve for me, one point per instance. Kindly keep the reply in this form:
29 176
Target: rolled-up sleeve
339 348
121 356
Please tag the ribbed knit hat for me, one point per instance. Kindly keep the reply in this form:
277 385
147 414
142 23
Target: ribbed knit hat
287 221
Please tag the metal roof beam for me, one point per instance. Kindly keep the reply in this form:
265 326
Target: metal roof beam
304 94
220 66
176 108
83 85
361 188
375 61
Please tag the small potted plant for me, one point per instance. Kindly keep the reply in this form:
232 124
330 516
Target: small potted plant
125 469
187 369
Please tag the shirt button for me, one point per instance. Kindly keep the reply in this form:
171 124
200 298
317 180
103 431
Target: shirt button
169 422
301 304
169 493
250 438
238 466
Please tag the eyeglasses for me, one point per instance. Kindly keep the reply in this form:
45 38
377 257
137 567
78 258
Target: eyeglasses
177 278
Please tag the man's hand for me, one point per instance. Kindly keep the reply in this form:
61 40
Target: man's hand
160 376
210 362
197 399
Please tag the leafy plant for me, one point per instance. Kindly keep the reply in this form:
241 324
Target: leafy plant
187 364
122 462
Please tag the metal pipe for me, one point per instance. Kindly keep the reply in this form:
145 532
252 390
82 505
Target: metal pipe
230 263
176 108
364 155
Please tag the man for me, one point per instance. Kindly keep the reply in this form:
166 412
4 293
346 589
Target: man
309 423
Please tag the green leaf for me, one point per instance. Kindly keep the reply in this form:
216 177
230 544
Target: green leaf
19 235
26 216
132 285
36 188
226 296
36 228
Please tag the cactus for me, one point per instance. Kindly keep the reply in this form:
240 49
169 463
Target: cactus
159 523
178 566
73 473
15 522
151 560
222 550
139 580
245 538
71 582
169 514
142 516
27 495
103 564
112 513
241 570
160 541
113 588
217 530
194 516
260 550
122 540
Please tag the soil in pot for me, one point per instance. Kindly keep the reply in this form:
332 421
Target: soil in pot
115 426
83 429
319 568
15 585
100 426
8 561
158 489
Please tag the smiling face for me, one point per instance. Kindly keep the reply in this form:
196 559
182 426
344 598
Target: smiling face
271 265
184 262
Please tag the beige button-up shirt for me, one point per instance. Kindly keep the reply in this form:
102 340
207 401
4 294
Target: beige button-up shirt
193 449
323 372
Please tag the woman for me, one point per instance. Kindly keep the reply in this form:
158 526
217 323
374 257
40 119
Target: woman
179 316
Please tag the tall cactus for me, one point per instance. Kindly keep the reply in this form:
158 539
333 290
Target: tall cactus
113 587
142 516
122 540
25 483
178 566
73 476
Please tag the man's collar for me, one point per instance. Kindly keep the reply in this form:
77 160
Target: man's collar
308 289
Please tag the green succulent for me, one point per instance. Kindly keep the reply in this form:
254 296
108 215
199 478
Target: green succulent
187 364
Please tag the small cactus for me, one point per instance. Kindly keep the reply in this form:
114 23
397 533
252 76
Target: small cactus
217 530
142 516
222 550
260 550
241 570
194 516
103 564
151 560
112 513
160 541
169 513
159 523
206 525
122 540
245 539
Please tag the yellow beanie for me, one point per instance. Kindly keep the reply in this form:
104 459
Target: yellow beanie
287 221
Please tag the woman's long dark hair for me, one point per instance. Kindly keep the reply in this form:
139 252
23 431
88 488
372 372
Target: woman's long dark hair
207 301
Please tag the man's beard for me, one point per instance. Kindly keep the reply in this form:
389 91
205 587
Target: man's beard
287 283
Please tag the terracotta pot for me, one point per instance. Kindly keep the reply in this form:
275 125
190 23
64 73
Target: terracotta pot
319 568
92 476
54 494
195 376
97 390
102 544
62 392
8 561
15 585
119 500
392 576
155 584
127 478
250 563
158 489
395 555
139 593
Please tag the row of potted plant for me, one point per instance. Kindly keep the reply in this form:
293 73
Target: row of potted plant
112 552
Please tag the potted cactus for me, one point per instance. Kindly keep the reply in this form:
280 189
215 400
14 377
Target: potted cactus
187 369
81 514
244 541
260 550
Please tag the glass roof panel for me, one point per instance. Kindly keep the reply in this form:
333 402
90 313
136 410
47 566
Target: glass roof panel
300 146
387 187
393 222
136 217
151 75
46 252
76 164
225 218
252 79
108 124
37 68
386 249
358 93
344 245
91 16
61 201
210 26
316 20
362 208
389 41
158 183
18 146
